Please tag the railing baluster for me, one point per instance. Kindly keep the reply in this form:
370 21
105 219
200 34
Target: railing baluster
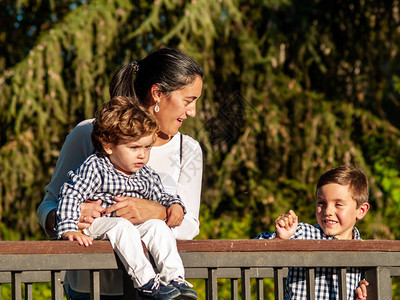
260 288
380 283
28 291
94 285
16 282
246 293
342 284
211 286
57 292
278 283
310 282
234 289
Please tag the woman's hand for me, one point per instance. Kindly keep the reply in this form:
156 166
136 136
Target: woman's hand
51 224
137 210
90 210
175 215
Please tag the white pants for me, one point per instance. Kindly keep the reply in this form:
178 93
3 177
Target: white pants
126 240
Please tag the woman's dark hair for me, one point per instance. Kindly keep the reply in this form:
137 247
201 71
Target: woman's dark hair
170 69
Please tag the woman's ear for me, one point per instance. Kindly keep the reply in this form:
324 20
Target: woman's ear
362 210
156 92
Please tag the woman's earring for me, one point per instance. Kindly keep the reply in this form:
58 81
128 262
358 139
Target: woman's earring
157 108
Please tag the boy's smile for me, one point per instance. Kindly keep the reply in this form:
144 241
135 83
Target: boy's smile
337 211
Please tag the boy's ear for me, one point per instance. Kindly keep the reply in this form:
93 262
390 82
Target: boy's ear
362 210
107 149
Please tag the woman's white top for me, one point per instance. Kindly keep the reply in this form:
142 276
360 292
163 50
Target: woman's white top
179 175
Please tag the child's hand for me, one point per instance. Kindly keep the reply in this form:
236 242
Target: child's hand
82 239
361 291
175 215
286 225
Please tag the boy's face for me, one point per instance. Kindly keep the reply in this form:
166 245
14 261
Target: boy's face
337 211
130 157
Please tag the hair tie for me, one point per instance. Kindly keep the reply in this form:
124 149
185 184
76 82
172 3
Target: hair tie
135 66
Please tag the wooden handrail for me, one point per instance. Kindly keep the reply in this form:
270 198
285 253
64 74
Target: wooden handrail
67 247
207 259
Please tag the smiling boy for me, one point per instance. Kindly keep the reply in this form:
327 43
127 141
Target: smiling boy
342 200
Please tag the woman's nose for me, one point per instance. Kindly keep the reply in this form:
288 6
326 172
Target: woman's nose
191 111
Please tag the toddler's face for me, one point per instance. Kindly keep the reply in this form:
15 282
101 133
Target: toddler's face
130 157
337 211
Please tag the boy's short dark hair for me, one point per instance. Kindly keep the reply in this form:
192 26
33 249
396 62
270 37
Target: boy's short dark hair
121 120
351 176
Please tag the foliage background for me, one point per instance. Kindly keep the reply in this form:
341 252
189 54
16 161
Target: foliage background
292 88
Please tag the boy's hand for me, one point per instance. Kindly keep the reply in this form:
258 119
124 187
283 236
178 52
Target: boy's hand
361 291
175 215
286 225
82 239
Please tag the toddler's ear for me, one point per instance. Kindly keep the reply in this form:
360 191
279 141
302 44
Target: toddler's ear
107 149
362 210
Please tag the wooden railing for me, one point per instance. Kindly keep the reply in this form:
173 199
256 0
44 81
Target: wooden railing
25 262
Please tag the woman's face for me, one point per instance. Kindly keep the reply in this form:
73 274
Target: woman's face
177 106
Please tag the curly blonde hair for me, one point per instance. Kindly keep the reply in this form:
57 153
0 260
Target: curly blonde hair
122 120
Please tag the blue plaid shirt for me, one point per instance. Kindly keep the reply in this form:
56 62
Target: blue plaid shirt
326 279
97 179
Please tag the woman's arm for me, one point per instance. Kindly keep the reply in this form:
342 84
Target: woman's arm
189 189
77 147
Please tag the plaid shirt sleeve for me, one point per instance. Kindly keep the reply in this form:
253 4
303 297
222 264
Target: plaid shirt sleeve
158 192
81 185
266 236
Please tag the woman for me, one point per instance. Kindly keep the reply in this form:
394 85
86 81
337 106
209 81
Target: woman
168 83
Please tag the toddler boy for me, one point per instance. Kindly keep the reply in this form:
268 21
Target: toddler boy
123 134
